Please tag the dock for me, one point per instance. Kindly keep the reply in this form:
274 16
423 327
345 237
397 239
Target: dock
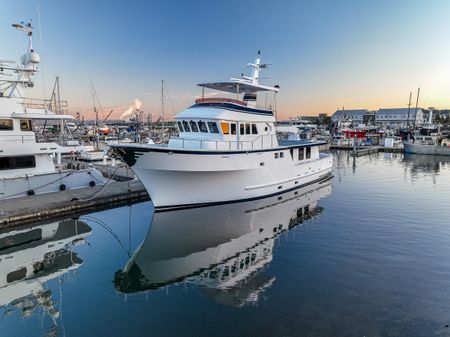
367 150
57 205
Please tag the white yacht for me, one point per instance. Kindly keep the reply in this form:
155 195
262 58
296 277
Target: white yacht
27 166
227 150
219 247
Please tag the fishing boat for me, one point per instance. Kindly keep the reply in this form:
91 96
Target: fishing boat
428 141
226 151
26 165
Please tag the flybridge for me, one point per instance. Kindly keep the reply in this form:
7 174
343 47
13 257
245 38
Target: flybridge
249 86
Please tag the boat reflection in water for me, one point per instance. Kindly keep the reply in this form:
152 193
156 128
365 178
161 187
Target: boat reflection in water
221 248
31 256
426 163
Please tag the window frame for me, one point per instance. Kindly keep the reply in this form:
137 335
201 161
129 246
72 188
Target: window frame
7 121
194 126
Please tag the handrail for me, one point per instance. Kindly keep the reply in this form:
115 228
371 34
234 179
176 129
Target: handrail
228 144
219 100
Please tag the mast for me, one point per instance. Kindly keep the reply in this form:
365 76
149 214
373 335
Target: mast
417 103
409 108
162 108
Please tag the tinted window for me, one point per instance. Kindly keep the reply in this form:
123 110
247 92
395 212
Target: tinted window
301 154
254 129
233 128
194 126
202 127
25 125
308 152
6 124
10 163
180 126
213 127
186 126
241 129
247 129
16 275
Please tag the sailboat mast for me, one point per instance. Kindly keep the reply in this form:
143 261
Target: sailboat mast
162 108
409 107
417 104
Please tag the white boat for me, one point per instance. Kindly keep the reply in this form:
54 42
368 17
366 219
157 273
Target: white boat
428 141
27 166
226 151
220 247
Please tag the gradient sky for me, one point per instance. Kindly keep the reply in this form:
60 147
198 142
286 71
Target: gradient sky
325 54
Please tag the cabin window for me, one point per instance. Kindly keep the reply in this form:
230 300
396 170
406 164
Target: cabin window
275 155
301 154
254 129
186 126
180 126
25 125
213 127
308 152
6 124
202 127
247 129
233 128
242 129
10 163
16 275
225 128
281 154
194 126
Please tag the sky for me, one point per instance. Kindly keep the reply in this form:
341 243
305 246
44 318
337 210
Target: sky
325 54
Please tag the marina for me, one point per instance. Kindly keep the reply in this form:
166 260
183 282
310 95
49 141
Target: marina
245 261
150 174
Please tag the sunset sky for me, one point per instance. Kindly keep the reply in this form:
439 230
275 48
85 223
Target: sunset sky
325 54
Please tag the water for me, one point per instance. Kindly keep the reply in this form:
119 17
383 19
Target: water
366 254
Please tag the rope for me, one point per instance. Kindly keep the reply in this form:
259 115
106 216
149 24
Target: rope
96 193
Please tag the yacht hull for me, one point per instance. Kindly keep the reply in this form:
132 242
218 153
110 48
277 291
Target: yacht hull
180 179
426 149
48 182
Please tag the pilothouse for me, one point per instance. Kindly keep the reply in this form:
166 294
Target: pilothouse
227 150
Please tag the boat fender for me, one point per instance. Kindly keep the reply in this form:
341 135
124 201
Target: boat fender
92 183
62 187
30 192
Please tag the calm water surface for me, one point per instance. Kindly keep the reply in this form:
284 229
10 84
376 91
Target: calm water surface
365 254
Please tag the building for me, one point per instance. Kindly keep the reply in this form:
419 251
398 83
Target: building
387 118
399 117
349 115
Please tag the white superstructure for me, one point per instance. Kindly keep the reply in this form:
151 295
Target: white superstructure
227 150
27 166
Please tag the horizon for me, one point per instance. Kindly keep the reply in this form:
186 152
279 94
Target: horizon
325 56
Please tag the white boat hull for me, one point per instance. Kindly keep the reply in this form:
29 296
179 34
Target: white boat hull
49 182
181 179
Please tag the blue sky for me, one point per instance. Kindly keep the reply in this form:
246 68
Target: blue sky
325 54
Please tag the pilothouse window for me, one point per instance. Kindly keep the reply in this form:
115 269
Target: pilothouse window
254 129
6 124
202 127
180 126
186 126
213 127
194 126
